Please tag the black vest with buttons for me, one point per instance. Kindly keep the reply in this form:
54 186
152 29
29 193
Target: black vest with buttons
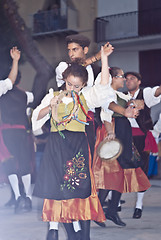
144 119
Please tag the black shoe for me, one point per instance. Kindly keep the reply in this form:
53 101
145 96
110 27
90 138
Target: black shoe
28 204
101 224
20 205
137 213
122 201
116 219
52 234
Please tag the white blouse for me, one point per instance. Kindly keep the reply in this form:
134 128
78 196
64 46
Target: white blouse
5 85
95 96
157 128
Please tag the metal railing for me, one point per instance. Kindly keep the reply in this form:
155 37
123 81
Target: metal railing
44 22
128 25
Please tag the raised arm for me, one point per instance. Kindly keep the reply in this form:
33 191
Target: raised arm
15 55
98 94
105 52
95 57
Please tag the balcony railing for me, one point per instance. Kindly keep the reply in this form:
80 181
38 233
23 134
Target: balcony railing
54 21
128 25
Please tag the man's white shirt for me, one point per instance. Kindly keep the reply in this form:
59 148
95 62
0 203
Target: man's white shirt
149 99
63 66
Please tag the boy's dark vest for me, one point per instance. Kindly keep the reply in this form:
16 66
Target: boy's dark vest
96 70
144 119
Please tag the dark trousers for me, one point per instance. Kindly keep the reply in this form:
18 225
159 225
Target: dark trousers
112 208
85 230
139 142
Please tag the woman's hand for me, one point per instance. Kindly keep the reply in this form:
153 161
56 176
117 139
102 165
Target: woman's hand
137 103
94 58
15 54
109 130
110 136
106 50
54 101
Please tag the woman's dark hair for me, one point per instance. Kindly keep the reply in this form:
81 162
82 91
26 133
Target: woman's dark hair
114 71
76 70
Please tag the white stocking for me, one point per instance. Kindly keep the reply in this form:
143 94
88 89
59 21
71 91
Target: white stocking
76 226
53 225
13 179
27 185
139 202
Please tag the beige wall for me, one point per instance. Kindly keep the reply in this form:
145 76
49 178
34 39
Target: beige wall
54 48
87 12
29 7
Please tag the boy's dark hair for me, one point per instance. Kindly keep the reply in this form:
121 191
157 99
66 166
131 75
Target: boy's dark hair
137 75
79 39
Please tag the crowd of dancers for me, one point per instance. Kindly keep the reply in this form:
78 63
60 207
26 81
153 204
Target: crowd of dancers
86 109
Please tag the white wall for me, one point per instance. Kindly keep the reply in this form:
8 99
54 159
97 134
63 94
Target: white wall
128 61
110 7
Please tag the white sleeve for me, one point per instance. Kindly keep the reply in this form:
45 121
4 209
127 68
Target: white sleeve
30 97
106 113
106 116
157 126
111 98
149 98
5 85
98 80
59 70
37 124
98 95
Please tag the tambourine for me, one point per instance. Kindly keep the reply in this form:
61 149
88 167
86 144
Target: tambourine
74 111
109 150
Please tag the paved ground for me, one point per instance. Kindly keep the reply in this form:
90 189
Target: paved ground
29 226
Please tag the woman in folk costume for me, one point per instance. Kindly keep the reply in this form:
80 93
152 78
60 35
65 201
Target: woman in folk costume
65 179
124 173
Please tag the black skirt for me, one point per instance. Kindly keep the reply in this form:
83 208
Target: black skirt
20 145
64 171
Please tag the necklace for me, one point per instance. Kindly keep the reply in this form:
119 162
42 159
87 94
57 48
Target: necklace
73 114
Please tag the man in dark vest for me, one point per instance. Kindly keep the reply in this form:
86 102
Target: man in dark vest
78 46
17 143
142 124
